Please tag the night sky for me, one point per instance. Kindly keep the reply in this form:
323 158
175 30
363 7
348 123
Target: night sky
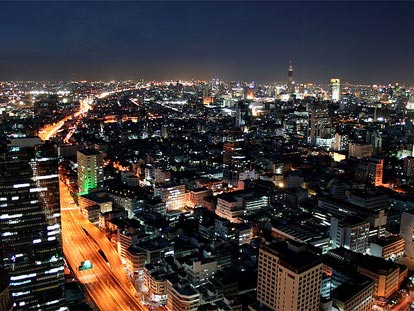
359 42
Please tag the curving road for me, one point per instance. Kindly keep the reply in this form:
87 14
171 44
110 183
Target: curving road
50 130
108 286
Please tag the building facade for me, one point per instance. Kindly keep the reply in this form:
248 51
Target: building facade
354 295
406 232
173 196
30 244
289 277
390 247
182 297
351 233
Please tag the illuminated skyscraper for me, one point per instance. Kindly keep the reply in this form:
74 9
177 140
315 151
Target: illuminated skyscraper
90 170
335 90
291 87
30 241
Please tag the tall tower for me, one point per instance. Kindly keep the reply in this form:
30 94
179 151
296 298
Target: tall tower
335 89
291 87
30 235
90 170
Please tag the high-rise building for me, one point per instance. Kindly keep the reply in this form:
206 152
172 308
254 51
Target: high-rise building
30 241
335 90
289 277
319 122
90 170
291 86
361 205
237 165
243 113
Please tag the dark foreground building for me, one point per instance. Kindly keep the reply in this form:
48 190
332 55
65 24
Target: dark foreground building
30 240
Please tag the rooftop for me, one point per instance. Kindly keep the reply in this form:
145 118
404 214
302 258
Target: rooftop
385 241
89 152
294 256
348 290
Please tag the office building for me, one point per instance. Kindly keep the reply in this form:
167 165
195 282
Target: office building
232 206
90 170
161 176
135 261
155 279
335 90
289 277
353 295
371 170
199 270
350 232
360 205
30 245
196 197
172 195
340 142
386 275
237 165
390 247
182 296
360 150
408 167
243 113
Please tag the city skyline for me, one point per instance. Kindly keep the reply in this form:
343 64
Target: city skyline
206 155
358 42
